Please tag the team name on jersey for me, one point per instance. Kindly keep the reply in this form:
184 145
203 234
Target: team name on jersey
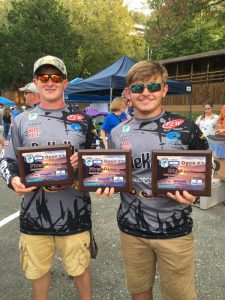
143 162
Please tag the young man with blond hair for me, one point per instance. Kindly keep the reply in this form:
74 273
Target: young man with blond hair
155 229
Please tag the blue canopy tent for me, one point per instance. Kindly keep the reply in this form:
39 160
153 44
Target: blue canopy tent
6 101
110 82
175 87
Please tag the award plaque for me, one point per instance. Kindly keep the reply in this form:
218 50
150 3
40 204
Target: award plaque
45 166
104 168
188 170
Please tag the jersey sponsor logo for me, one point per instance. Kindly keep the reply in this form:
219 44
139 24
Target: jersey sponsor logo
126 145
126 128
173 124
34 124
173 135
202 136
75 127
32 116
33 132
75 117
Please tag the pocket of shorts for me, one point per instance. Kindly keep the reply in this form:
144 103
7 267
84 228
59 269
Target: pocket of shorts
23 255
85 249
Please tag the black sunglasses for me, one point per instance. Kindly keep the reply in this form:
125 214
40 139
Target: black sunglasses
152 87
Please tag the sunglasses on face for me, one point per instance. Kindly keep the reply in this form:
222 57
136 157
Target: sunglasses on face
26 93
44 78
152 87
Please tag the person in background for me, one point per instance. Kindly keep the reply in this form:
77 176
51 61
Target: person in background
117 107
130 109
220 130
53 217
207 122
15 112
6 118
155 229
31 94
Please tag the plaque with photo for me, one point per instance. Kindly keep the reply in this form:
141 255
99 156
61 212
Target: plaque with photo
188 170
104 168
45 166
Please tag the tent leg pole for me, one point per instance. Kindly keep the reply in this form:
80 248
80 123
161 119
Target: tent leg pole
190 104
111 94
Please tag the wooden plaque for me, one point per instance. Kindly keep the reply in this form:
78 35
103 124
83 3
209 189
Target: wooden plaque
104 168
188 170
45 166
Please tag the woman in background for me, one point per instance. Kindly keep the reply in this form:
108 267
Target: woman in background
207 122
117 115
6 118
221 122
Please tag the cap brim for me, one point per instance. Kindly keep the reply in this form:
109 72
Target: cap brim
23 89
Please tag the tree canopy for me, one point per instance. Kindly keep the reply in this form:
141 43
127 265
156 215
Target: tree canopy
87 35
91 34
184 27
106 28
34 29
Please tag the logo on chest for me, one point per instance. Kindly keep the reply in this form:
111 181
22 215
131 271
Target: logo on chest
75 117
33 132
172 124
126 144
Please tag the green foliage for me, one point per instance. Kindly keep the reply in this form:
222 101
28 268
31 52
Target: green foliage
5 6
174 31
35 28
105 27
87 35
139 18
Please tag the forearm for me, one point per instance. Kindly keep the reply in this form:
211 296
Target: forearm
8 170
104 140
220 131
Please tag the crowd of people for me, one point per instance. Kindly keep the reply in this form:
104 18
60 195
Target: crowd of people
155 230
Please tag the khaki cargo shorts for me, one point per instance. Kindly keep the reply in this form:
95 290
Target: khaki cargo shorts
37 253
175 261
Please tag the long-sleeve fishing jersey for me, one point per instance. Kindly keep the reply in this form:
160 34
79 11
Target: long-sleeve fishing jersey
140 213
59 212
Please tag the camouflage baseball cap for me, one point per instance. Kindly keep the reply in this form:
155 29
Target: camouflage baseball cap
30 87
50 60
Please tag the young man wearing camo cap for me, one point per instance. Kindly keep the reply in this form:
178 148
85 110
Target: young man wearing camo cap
51 217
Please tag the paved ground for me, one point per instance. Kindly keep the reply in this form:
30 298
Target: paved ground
108 276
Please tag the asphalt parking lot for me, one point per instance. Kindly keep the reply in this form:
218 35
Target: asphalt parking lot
108 275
